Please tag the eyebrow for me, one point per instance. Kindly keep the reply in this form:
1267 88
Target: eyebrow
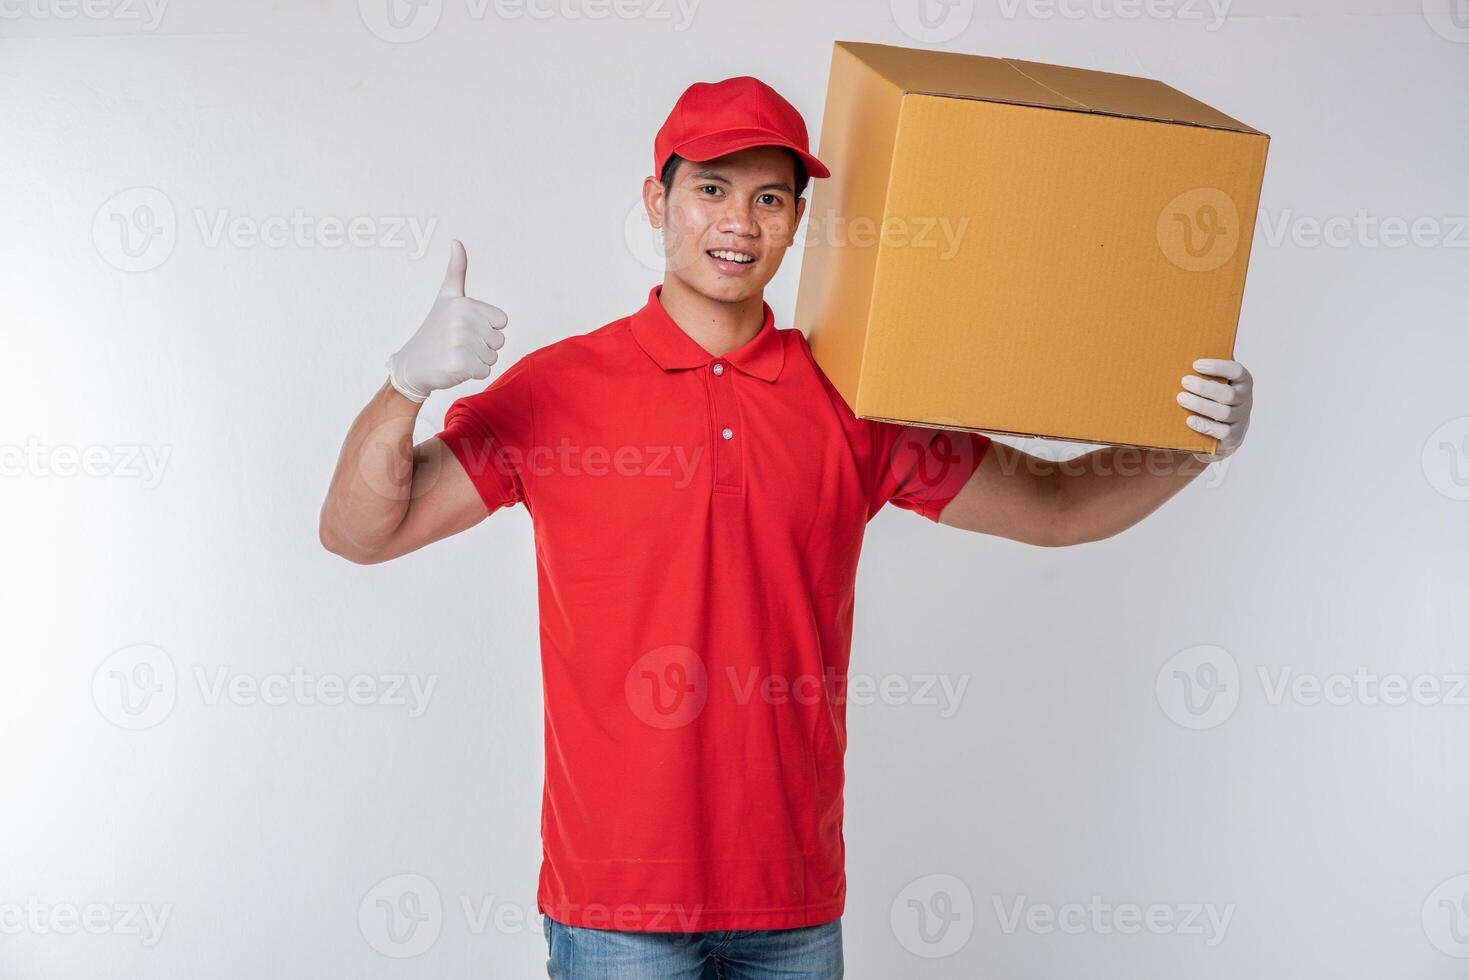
716 175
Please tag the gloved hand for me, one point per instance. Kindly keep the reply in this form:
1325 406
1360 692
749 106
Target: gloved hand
457 341
1223 407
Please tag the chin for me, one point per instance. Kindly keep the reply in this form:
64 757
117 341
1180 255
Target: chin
731 290
723 289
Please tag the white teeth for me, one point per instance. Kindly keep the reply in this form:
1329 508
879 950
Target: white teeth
720 253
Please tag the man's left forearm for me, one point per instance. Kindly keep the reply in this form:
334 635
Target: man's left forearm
1108 490
1027 498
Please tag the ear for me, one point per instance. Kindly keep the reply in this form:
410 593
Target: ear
654 201
800 210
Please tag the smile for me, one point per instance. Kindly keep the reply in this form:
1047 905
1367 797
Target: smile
730 255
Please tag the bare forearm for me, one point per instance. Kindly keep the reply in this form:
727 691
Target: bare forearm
1054 503
373 482
1108 490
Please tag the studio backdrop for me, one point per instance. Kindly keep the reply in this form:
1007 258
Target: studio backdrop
1229 742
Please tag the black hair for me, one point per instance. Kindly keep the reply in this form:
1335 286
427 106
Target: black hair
802 178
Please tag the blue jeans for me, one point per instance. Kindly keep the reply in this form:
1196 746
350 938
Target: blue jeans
808 953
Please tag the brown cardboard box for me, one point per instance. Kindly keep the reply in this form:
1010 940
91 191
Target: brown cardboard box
1023 248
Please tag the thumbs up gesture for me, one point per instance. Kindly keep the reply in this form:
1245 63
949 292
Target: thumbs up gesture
457 341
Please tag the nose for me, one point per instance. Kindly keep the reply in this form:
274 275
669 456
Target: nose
737 217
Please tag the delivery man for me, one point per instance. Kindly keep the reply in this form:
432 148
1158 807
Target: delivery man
699 491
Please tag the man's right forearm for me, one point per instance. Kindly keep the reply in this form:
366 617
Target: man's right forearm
386 497
373 484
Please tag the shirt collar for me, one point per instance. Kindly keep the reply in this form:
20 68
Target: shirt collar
666 343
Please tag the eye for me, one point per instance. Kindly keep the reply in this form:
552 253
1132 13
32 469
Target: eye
705 187
774 199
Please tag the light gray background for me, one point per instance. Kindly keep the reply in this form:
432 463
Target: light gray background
1332 835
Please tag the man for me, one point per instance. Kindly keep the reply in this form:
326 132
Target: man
699 492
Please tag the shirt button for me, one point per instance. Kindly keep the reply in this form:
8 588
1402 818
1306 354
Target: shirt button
719 369
728 433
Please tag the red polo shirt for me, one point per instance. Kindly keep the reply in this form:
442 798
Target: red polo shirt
697 525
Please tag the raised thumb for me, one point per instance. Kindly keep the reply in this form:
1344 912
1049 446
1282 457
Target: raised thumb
458 265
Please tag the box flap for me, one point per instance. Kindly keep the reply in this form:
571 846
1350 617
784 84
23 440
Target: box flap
1127 95
951 73
972 76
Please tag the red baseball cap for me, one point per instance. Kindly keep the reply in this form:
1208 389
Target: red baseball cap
711 119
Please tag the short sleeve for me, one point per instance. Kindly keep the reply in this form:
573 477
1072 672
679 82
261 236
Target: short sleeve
922 469
491 433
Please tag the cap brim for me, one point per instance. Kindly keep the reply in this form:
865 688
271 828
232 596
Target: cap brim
713 145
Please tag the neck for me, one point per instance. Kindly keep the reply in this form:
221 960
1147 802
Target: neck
716 326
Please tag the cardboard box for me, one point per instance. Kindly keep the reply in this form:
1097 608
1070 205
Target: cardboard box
1023 248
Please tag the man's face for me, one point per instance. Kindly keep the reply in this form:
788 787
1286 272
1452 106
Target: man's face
743 202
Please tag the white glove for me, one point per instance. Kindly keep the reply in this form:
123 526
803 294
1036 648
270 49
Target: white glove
457 341
1223 407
